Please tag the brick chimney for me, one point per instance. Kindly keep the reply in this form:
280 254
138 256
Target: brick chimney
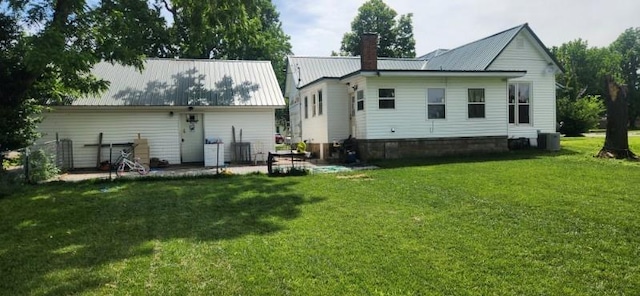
369 52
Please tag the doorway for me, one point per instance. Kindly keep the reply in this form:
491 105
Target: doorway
192 137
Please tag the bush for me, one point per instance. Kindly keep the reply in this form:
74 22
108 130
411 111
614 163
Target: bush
42 166
577 117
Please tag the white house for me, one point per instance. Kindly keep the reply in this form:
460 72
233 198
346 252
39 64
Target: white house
175 104
470 99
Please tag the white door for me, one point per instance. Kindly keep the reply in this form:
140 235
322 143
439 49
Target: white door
192 137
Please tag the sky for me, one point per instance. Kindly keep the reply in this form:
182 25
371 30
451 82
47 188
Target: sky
316 27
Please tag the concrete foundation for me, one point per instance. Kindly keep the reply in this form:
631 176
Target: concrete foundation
407 148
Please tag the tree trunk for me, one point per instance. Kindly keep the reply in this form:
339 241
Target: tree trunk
616 143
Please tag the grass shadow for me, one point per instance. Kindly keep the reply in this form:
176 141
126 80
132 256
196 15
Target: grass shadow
64 229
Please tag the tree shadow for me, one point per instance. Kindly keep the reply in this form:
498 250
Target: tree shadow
189 88
54 237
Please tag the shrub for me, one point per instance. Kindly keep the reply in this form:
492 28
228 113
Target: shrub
42 166
578 116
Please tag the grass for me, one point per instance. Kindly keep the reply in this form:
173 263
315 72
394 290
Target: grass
526 222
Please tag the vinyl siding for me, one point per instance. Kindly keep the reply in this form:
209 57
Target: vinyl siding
524 53
337 103
409 118
161 130
83 128
314 128
258 128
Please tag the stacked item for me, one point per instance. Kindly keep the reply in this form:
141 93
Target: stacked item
141 150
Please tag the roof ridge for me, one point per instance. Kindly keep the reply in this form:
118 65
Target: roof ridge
519 27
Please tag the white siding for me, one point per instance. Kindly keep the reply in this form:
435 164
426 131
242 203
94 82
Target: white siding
161 130
258 128
314 128
409 118
117 127
361 115
337 109
523 53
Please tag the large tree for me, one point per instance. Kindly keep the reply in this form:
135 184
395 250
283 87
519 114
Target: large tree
227 29
628 47
395 37
49 47
616 143
584 68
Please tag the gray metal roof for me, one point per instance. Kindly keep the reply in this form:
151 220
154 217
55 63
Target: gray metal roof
475 56
307 70
184 82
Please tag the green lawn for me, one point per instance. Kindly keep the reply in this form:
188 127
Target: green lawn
524 223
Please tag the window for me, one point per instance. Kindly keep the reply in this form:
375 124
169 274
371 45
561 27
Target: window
386 98
360 98
313 106
306 107
520 103
320 102
476 103
435 103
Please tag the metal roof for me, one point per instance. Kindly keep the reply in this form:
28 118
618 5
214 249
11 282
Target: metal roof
476 55
186 82
306 70
473 57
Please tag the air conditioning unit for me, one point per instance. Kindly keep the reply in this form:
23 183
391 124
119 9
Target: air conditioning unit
553 141
549 141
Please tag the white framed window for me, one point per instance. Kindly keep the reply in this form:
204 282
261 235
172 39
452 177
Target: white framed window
320 102
306 107
386 98
519 100
360 100
476 103
436 102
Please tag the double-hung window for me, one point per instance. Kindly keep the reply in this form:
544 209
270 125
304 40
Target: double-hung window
475 106
386 98
436 103
306 107
360 100
520 103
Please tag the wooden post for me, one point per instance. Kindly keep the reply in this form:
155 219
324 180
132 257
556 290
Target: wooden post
99 150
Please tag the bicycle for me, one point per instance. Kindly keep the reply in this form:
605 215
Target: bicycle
127 166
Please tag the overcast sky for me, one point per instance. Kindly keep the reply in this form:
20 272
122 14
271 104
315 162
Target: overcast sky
316 26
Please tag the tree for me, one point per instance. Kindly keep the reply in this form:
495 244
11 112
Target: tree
48 49
395 38
616 143
584 68
579 101
628 47
229 29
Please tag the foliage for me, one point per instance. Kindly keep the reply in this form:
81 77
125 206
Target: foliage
47 49
578 116
395 37
460 226
585 68
228 29
41 166
628 47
